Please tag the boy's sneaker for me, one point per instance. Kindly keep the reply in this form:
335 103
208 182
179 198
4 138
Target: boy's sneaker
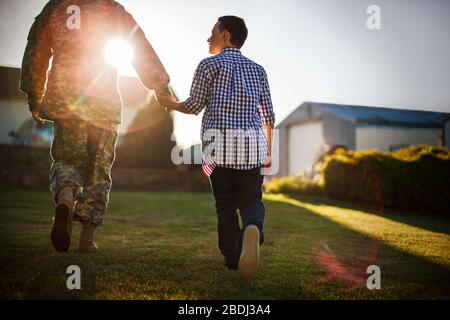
248 263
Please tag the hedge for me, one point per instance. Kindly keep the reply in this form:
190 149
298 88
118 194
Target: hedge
294 185
414 178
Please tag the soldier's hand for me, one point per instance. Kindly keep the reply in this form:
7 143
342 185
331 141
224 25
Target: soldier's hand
35 115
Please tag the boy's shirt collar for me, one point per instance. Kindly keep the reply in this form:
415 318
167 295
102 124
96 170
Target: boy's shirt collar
231 50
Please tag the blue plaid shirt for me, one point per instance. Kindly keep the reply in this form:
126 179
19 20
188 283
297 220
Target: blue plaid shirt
234 91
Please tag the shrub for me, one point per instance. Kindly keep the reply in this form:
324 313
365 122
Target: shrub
413 178
294 185
147 144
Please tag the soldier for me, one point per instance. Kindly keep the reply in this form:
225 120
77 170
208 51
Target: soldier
80 96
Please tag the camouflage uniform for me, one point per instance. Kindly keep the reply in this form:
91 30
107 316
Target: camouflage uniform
80 92
83 153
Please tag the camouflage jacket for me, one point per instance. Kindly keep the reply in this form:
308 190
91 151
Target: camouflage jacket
80 83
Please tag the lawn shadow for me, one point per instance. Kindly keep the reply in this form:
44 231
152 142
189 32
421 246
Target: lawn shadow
307 256
431 222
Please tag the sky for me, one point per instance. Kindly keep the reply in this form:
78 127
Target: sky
312 50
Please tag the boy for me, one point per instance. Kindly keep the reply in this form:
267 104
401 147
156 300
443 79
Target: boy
235 94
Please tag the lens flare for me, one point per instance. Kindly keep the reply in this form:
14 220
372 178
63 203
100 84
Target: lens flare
119 53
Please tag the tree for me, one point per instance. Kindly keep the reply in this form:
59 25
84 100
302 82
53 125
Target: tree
148 144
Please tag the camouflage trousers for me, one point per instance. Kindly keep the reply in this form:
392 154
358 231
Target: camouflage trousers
83 154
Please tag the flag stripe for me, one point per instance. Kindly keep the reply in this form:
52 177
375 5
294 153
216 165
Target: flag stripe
208 166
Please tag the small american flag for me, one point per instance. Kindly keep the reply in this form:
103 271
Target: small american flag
208 165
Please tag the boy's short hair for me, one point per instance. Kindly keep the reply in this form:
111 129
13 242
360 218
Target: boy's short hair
236 27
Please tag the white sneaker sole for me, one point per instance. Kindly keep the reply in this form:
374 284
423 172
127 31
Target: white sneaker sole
249 260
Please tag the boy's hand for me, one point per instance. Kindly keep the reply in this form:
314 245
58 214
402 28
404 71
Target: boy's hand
267 167
35 115
268 163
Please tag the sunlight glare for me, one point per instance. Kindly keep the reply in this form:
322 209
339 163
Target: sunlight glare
119 54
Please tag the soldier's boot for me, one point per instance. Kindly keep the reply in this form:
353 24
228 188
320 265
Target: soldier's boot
87 244
62 221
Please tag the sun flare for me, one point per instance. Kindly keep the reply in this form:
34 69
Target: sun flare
119 54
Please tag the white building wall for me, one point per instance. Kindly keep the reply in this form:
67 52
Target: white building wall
304 143
283 151
386 139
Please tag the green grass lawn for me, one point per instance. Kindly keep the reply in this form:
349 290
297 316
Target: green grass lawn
164 246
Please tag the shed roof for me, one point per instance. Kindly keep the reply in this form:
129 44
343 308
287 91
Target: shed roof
368 115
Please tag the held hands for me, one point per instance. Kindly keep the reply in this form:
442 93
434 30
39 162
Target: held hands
168 102
166 98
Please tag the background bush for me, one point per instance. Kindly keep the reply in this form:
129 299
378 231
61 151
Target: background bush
295 185
413 178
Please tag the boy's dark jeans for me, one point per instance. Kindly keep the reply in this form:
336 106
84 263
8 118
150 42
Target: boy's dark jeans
235 189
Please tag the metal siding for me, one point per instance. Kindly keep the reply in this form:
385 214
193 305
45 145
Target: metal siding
305 141
337 131
387 139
